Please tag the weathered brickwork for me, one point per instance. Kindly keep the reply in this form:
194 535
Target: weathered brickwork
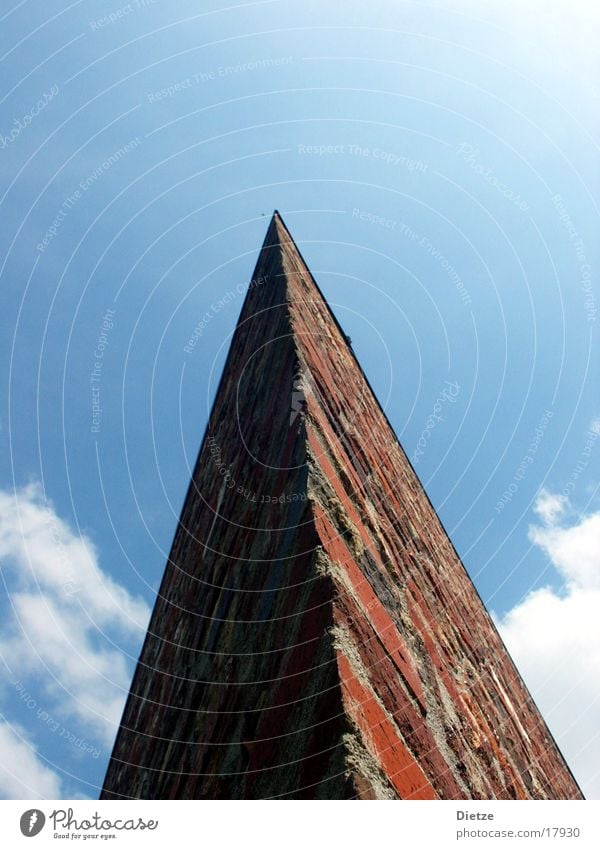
315 633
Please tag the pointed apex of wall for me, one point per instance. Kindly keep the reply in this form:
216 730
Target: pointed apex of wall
277 232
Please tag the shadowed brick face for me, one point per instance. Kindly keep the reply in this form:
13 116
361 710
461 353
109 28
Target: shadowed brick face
315 633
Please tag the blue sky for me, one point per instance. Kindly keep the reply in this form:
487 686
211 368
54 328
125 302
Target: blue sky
437 164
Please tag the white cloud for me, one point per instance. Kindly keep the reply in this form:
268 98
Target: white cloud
67 621
575 551
23 774
44 551
89 680
554 638
550 507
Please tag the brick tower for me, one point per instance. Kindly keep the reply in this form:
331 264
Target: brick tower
315 634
